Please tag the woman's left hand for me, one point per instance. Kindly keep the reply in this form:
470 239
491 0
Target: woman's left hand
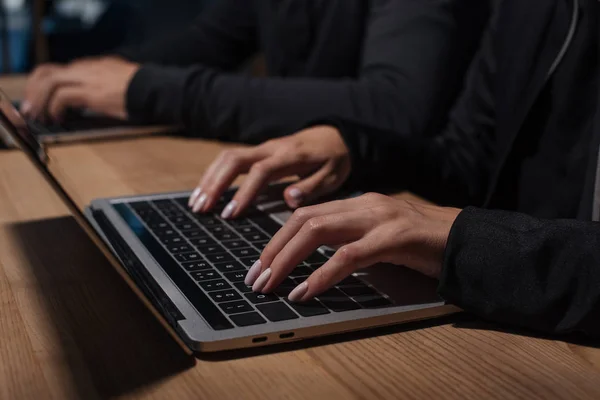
370 229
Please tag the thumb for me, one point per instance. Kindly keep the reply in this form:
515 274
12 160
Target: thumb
325 181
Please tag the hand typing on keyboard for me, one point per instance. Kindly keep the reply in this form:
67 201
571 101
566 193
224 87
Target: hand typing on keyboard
95 84
208 258
372 229
318 155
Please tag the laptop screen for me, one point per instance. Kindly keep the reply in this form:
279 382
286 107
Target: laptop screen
15 129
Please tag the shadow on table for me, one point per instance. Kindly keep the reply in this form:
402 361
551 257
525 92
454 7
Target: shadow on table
104 334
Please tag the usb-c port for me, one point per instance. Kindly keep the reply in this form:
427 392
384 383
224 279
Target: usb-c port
259 339
286 335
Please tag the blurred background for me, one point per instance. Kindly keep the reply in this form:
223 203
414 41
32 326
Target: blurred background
36 31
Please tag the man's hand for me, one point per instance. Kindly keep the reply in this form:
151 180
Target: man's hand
99 85
370 229
318 155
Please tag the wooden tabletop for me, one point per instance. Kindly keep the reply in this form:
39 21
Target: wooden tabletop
70 328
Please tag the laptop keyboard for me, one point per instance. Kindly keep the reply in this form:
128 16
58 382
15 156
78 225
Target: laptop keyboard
208 259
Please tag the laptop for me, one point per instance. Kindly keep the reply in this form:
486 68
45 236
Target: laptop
189 269
81 124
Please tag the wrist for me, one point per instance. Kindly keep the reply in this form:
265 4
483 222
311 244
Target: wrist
429 238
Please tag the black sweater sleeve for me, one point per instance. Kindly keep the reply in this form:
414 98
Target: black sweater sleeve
451 168
414 54
513 268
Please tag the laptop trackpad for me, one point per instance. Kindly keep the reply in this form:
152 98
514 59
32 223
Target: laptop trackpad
403 286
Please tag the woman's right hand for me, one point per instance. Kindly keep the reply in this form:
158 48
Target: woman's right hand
317 155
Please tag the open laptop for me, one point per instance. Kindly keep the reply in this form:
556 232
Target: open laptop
80 124
189 269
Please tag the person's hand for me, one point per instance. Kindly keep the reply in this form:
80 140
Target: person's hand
318 155
370 229
97 84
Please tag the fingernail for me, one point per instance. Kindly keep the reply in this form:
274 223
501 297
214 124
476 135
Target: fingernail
25 107
297 195
298 292
229 209
262 280
253 273
200 203
194 196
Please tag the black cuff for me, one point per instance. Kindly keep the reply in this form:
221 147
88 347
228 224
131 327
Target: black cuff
454 272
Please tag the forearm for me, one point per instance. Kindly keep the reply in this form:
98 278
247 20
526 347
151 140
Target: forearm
231 107
538 274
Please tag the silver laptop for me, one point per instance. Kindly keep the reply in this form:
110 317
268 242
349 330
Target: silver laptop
189 269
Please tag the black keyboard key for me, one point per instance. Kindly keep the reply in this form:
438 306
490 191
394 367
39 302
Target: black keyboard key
163 233
309 308
158 225
203 241
247 252
179 220
220 258
225 295
316 258
256 237
358 290
230 266
196 233
236 244
201 276
165 203
258 298
266 223
351 281
236 307
248 230
241 286
301 272
237 223
284 289
238 276
222 237
252 318
182 201
372 301
214 249
207 221
186 226
179 248
261 245
183 257
337 301
277 311
217 229
249 261
217 284
172 240
196 266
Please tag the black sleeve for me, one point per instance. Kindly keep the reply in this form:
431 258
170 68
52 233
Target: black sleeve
451 168
513 268
415 51
222 37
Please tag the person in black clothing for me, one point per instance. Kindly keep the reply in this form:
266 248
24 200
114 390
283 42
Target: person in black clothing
394 63
520 156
